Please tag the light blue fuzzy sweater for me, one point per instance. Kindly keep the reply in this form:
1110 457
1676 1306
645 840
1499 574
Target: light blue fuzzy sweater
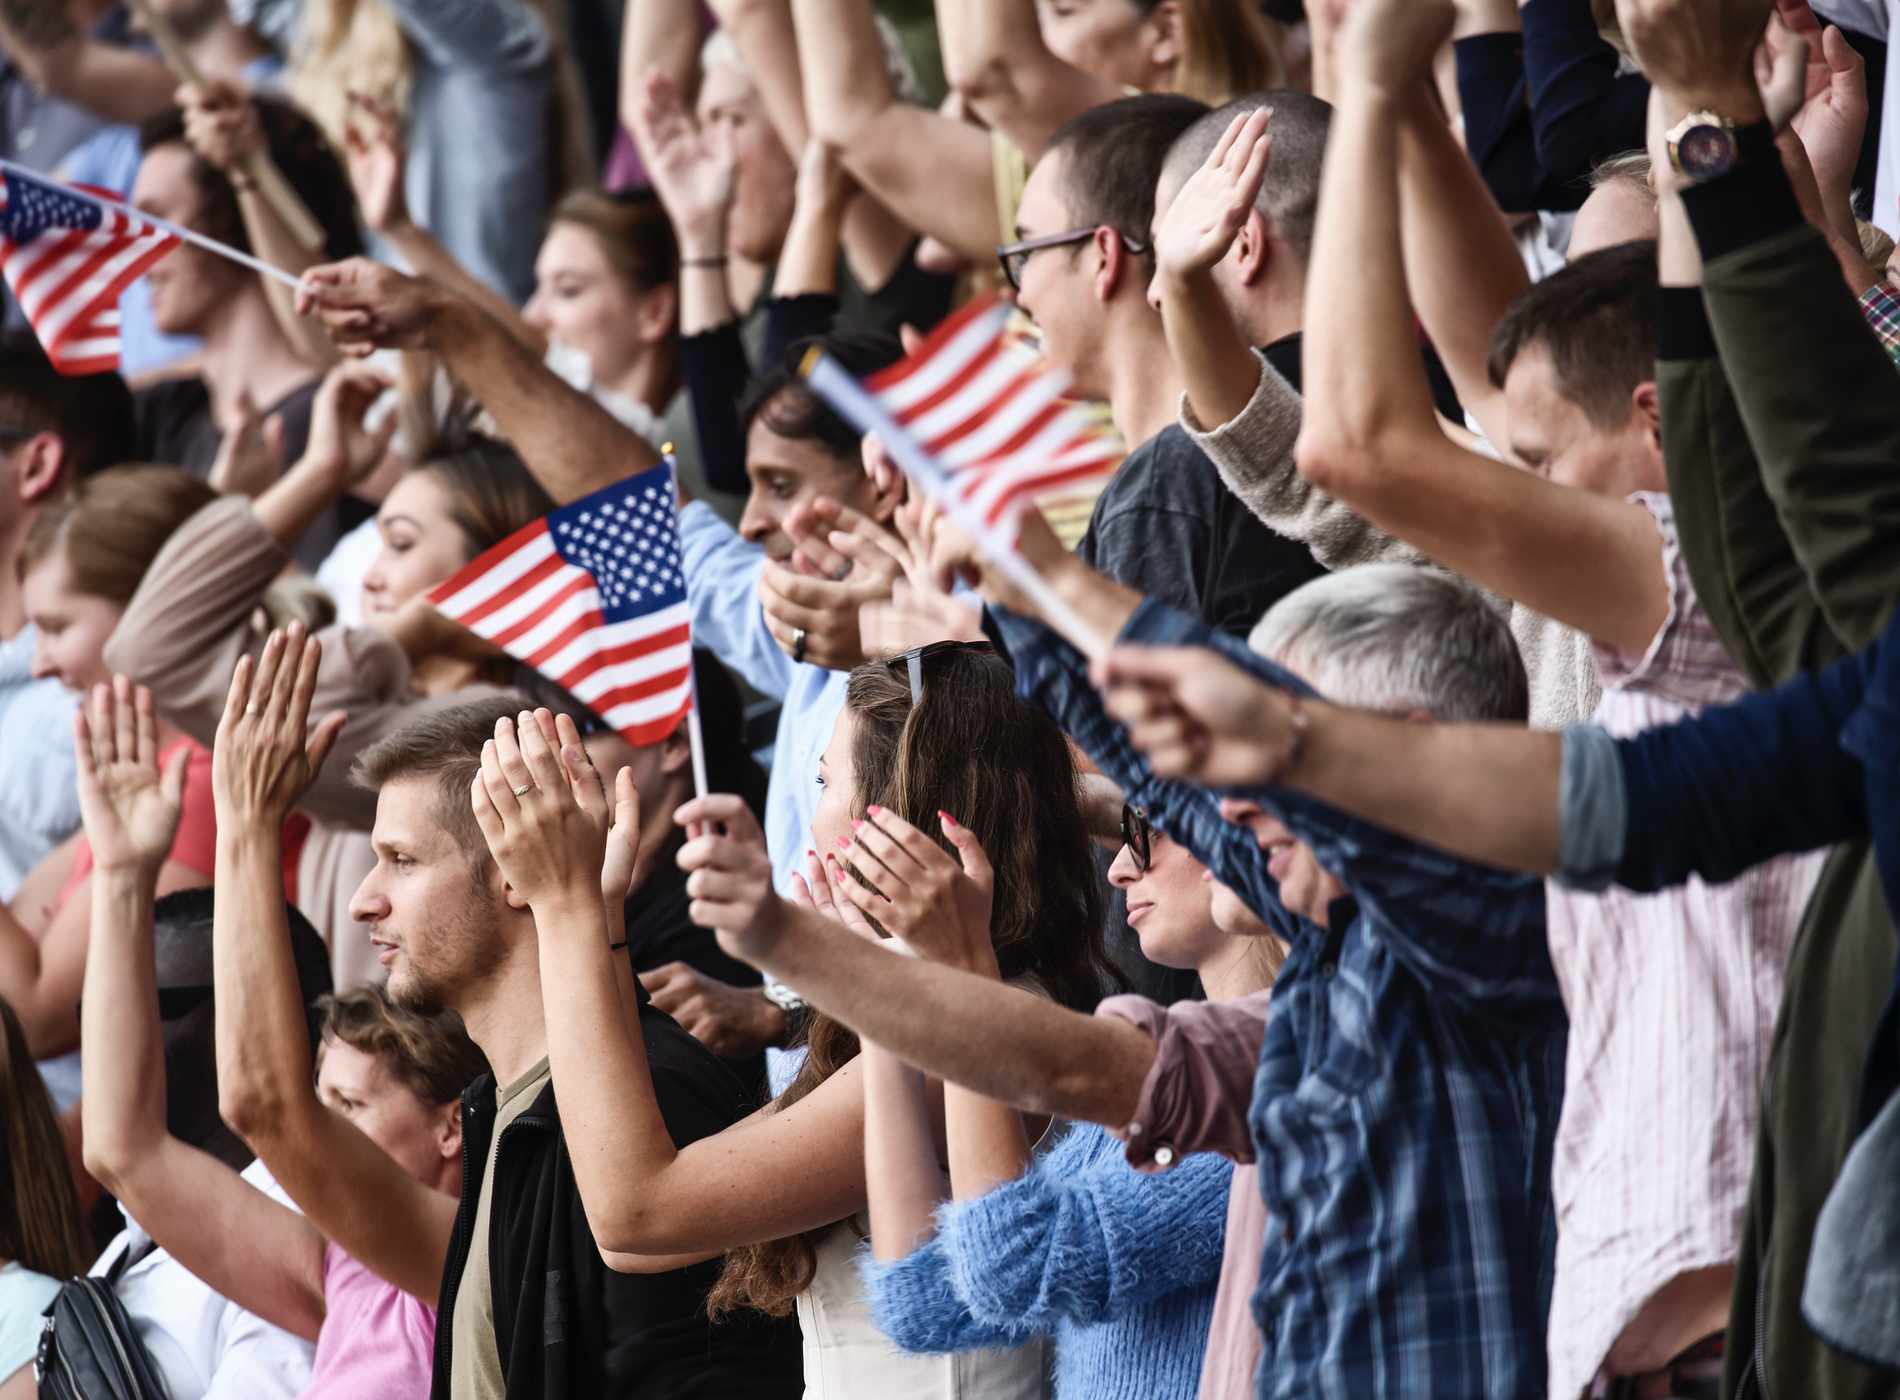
1118 1266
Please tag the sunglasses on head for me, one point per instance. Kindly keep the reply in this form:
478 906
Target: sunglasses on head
1138 836
913 662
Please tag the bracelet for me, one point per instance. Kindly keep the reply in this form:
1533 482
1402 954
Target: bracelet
719 261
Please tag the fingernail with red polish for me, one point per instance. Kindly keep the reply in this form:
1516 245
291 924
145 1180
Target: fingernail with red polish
946 818
858 825
841 843
875 810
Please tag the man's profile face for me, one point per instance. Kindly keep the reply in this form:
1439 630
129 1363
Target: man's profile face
789 472
1551 435
1057 286
764 178
187 283
434 916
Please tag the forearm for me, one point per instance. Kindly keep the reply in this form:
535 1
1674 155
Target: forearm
809 260
662 34
262 1037
903 1181
426 256
762 29
616 1135
987 1141
965 1029
1218 367
1488 793
295 501
571 445
272 240
123 1104
1461 264
117 84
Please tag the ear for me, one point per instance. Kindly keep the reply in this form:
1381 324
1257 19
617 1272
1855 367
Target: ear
1253 252
886 495
658 314
676 753
1164 24
1112 264
448 1130
514 897
1648 406
42 468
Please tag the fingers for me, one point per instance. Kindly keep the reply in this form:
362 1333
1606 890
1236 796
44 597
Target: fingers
500 791
910 851
626 804
145 719
171 782
238 695
304 688
510 765
720 810
125 722
269 661
970 853
486 817
545 770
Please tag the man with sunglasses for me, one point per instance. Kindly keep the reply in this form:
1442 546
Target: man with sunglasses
54 429
1165 525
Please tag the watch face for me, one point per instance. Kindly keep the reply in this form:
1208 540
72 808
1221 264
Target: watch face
1705 150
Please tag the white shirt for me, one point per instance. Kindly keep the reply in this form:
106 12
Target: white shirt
39 796
1887 178
204 1346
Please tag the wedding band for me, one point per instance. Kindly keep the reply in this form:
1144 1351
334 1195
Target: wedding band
798 644
524 790
251 708
841 573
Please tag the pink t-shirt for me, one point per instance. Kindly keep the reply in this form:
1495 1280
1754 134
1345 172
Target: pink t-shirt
376 1339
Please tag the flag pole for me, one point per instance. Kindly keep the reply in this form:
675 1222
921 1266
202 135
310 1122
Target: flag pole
695 736
843 392
210 245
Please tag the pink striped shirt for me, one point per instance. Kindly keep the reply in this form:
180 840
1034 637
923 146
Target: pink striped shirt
1672 1000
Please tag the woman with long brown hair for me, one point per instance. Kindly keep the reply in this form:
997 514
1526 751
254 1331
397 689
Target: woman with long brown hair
42 1238
936 730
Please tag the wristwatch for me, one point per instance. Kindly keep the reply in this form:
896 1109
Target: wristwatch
1704 145
782 996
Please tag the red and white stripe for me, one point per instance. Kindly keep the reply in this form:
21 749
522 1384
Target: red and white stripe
68 283
995 414
545 612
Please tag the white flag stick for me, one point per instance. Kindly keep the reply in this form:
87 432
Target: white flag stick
843 392
210 245
695 737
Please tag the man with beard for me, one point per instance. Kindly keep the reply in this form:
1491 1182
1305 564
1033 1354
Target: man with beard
529 1306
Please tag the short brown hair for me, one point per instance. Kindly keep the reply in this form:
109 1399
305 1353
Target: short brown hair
635 235
1597 320
491 492
429 1053
112 526
444 744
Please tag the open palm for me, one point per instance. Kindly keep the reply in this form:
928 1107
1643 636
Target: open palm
130 808
691 165
1200 225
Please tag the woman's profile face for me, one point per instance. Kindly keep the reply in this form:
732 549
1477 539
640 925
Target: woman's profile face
1109 39
72 626
580 302
422 546
837 780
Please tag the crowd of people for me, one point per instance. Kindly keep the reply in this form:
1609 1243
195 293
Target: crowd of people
1405 908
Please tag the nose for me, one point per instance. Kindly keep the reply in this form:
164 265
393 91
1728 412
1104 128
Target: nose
43 666
1122 873
368 905
757 523
535 313
1154 291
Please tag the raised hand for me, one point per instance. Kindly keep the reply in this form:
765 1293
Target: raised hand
1698 52
221 123
730 876
130 809
1197 716
727 1020
692 166
265 755
816 619
1199 227
818 887
939 906
373 149
368 306
542 806
251 452
1390 44
340 442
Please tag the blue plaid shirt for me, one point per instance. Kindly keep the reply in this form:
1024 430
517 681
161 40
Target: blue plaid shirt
1408 1087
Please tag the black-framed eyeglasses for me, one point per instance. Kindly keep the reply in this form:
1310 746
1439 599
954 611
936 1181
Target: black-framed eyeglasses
1013 256
1138 836
913 662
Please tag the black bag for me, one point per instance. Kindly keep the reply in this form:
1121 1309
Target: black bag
89 1349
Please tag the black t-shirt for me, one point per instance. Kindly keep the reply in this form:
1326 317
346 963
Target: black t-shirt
175 427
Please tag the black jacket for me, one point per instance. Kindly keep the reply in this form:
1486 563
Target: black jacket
565 1324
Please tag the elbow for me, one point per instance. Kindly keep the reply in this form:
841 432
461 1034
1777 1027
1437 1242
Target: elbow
981 85
847 120
252 1110
1333 458
629 1228
107 1157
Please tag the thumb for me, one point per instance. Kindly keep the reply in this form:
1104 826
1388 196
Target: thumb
969 850
274 439
171 783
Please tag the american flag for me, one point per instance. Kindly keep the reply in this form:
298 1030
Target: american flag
995 414
67 259
593 597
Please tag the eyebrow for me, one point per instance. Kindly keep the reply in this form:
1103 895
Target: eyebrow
408 520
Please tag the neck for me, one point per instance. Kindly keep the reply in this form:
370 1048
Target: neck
224 50
650 380
1144 387
1273 312
1237 970
244 350
504 1016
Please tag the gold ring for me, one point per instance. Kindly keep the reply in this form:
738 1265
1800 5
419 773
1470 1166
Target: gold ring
524 790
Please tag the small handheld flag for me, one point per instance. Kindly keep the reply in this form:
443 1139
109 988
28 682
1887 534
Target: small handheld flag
593 597
67 257
998 413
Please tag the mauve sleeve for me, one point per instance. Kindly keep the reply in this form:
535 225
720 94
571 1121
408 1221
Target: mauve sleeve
1196 1095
